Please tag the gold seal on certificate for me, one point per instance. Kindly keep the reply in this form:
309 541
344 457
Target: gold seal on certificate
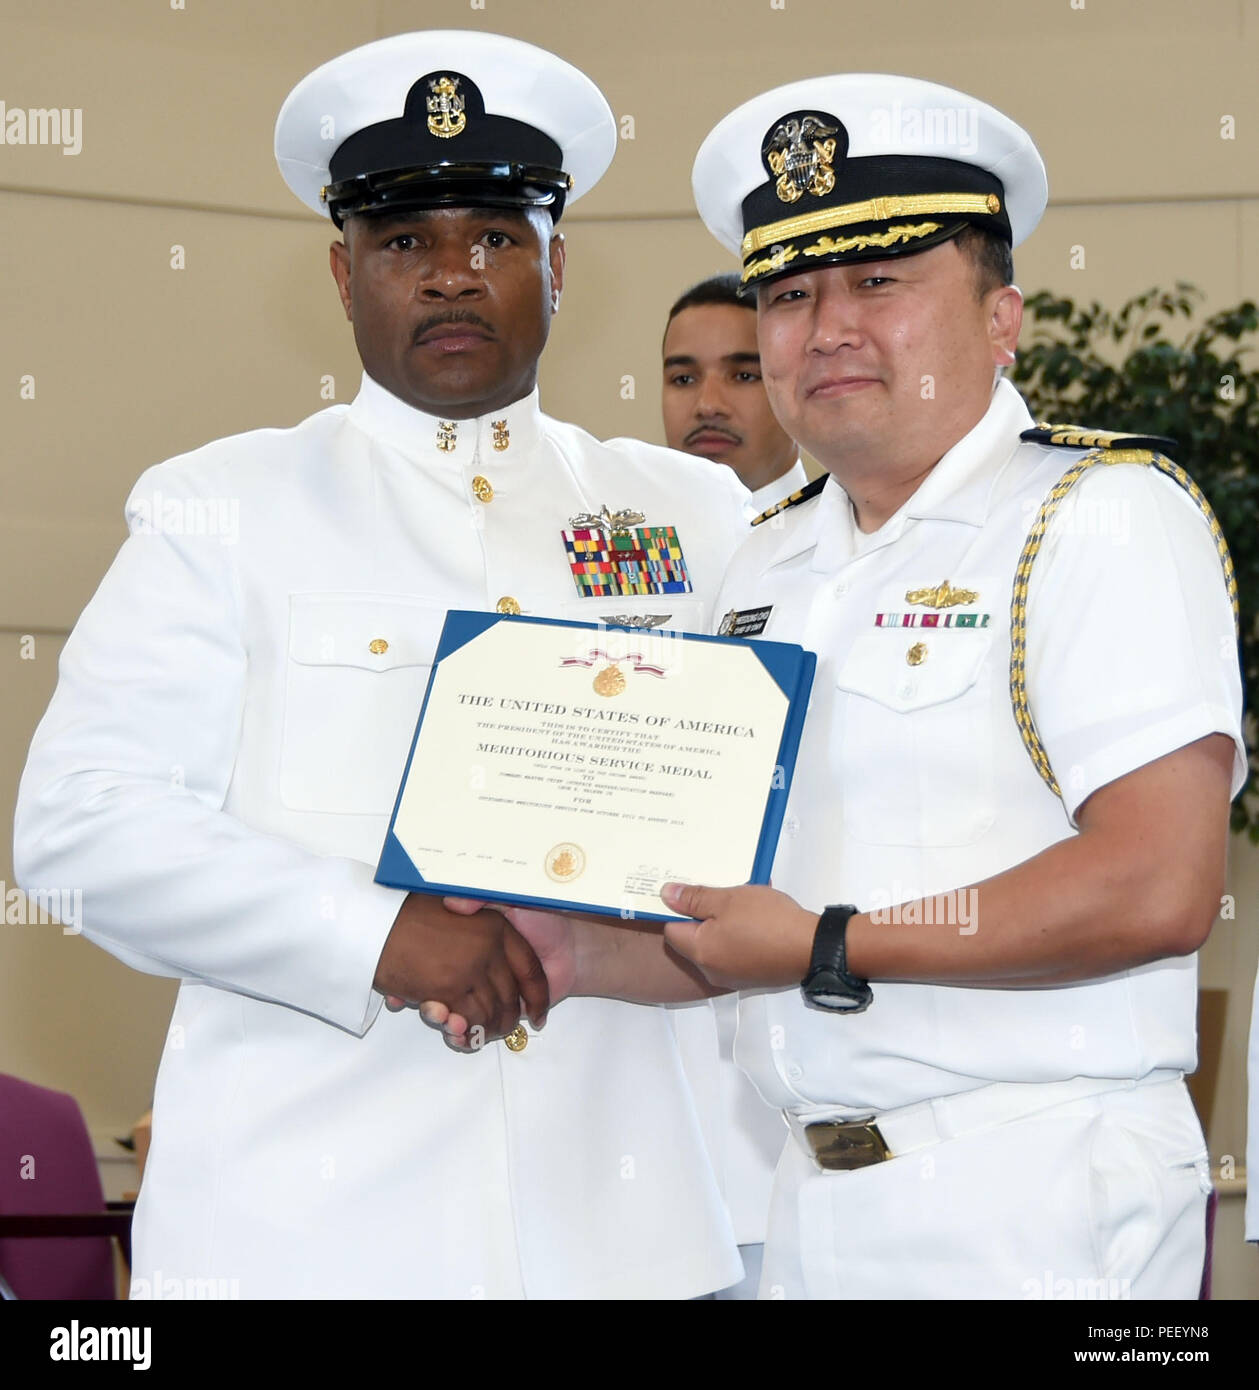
565 863
572 764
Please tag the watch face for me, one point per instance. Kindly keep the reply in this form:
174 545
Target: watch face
839 1003
827 989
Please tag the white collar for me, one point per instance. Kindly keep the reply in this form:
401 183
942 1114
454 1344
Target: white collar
957 489
384 416
773 492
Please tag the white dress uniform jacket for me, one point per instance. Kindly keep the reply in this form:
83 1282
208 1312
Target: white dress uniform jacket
216 771
913 780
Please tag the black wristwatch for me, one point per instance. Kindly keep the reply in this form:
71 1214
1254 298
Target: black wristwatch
828 985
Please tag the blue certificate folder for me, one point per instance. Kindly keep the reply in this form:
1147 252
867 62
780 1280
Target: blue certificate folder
790 667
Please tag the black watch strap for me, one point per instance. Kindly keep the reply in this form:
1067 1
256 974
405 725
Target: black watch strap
829 984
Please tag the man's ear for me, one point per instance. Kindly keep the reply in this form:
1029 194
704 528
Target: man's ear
339 264
556 254
1005 320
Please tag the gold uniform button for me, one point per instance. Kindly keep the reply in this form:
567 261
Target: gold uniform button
507 604
482 489
378 646
917 654
517 1040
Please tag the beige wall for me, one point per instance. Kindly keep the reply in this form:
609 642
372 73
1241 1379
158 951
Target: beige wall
134 361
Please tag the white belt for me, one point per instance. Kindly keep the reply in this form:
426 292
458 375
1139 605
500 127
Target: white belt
839 1139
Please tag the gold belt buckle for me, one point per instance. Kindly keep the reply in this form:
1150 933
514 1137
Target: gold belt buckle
839 1145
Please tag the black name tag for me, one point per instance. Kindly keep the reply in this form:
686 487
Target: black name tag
745 622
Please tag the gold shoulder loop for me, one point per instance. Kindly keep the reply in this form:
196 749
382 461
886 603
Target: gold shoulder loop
1080 437
802 495
1031 548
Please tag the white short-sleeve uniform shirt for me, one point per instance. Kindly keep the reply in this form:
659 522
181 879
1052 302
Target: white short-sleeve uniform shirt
912 778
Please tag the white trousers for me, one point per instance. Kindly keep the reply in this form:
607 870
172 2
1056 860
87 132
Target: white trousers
1100 1198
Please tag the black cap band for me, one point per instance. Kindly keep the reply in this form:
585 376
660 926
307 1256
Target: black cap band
445 151
861 218
449 184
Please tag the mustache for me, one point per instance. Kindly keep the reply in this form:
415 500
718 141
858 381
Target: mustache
712 429
450 316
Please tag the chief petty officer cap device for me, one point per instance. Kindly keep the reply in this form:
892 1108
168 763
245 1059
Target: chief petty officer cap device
862 167
443 118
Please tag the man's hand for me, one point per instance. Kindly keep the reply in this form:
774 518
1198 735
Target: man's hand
477 964
747 937
590 955
551 936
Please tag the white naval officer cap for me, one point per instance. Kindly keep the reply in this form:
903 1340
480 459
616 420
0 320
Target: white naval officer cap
859 167
446 117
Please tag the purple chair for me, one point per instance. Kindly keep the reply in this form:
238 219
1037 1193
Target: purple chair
55 1227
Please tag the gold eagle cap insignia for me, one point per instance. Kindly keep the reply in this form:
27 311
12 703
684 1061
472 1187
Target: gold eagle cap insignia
942 596
801 157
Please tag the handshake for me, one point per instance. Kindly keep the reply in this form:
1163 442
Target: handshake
473 971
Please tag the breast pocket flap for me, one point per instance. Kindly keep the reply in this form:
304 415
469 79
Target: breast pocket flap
366 631
911 668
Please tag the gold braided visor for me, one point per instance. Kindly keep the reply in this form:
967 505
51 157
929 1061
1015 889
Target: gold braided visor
871 210
829 246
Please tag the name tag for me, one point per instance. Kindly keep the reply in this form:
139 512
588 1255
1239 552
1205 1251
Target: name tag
745 622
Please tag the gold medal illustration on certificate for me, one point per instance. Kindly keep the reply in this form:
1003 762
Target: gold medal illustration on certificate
609 681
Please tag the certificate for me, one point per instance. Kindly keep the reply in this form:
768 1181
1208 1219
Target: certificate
575 765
